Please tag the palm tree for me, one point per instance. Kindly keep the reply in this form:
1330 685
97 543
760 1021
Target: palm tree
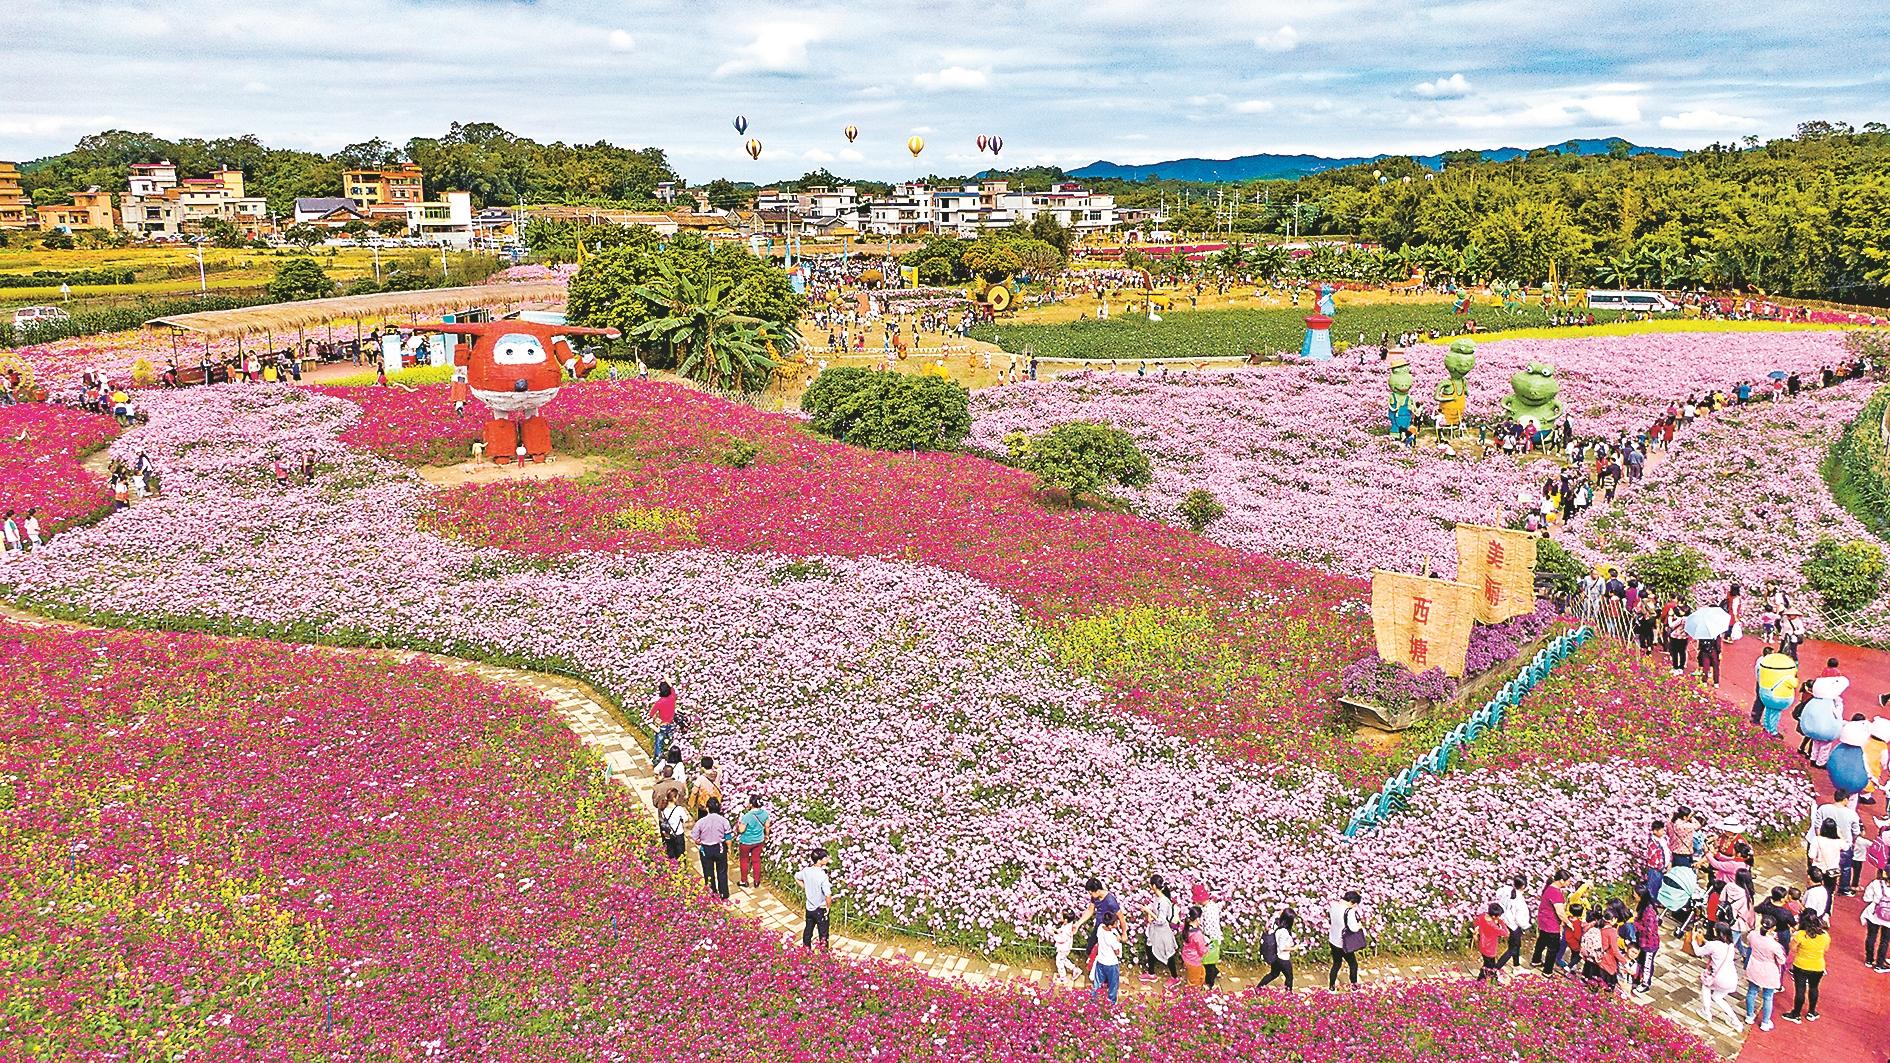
1616 272
1471 267
714 345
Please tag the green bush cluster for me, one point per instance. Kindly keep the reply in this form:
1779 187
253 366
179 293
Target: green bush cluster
46 278
1859 466
1084 458
888 411
1669 570
1846 575
1200 509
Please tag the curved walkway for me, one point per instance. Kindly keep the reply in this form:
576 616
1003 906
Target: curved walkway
597 722
1855 1000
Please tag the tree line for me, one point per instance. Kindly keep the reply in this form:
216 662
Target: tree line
496 166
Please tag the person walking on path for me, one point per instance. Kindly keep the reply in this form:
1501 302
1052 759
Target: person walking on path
1718 977
1346 934
817 893
1492 938
1646 942
1765 972
1108 971
672 822
1876 920
1809 943
1194 949
1211 926
749 843
1277 949
663 711
1158 930
1551 909
712 835
1102 911
1515 907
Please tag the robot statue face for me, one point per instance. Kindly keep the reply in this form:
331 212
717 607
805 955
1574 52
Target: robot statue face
516 348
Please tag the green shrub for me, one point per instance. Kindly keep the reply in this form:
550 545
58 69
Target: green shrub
1084 458
1670 570
888 411
1846 575
1562 568
1201 509
1858 469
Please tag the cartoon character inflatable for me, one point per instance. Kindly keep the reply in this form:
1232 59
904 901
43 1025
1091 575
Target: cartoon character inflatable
1778 682
1822 720
1454 393
515 367
1398 414
1847 760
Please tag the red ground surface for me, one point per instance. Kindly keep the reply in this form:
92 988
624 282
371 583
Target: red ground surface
1854 1000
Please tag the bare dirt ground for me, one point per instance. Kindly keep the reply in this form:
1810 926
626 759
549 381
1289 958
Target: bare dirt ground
557 467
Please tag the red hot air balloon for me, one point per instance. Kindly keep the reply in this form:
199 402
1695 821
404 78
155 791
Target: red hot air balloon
741 125
982 141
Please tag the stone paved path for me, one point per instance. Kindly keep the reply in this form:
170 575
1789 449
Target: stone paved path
596 723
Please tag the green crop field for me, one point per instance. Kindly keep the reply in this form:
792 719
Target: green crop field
1206 333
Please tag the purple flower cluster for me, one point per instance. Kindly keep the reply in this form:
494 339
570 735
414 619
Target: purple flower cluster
1372 678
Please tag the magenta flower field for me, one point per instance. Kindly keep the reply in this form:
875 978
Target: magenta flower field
974 724
40 451
235 849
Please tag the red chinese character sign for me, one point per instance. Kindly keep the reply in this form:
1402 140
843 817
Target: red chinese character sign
1423 623
1501 564
514 368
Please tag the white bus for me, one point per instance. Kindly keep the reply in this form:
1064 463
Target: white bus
1650 302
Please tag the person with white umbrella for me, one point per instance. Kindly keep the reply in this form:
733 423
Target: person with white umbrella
1706 624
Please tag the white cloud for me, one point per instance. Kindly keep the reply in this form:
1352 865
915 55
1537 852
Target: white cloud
851 155
1284 39
255 86
1133 136
621 41
953 77
1454 87
922 129
1706 119
1253 106
1555 114
817 155
778 48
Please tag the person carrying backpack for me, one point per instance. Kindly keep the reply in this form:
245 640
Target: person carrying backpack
1277 949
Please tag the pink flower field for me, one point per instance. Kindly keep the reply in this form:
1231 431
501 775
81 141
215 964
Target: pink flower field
1298 455
965 752
233 849
40 450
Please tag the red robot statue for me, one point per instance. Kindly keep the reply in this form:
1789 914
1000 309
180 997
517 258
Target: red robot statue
515 367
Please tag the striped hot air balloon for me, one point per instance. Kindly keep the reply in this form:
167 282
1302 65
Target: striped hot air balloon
852 132
754 149
915 145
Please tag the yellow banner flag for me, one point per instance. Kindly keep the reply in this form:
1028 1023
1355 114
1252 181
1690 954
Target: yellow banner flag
1501 564
1422 623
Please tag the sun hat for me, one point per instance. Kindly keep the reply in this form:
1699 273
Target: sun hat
1199 895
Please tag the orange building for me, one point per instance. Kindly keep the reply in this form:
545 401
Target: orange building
396 185
15 210
90 209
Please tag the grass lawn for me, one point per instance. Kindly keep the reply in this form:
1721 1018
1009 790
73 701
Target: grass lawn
1186 333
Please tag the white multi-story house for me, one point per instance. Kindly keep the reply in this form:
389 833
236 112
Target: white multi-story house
1072 205
157 203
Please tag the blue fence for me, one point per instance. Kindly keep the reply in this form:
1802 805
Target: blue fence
1396 793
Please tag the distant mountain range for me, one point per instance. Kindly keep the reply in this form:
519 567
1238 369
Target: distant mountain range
1260 167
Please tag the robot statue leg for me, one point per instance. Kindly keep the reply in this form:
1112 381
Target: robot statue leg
501 440
535 434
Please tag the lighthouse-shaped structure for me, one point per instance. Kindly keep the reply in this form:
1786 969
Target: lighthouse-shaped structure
1317 346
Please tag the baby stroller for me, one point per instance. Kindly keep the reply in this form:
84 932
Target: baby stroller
1682 897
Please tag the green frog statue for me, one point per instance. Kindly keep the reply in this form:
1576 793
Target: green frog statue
1401 382
1454 393
1534 398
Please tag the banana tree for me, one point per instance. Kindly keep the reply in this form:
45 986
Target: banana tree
714 345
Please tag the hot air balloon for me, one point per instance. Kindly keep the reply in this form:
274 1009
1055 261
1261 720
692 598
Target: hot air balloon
741 125
754 150
851 131
915 145
997 144
983 141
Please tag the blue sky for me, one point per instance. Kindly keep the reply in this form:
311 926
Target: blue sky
1066 83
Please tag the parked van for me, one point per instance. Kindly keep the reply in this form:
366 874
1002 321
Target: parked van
28 316
1648 302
